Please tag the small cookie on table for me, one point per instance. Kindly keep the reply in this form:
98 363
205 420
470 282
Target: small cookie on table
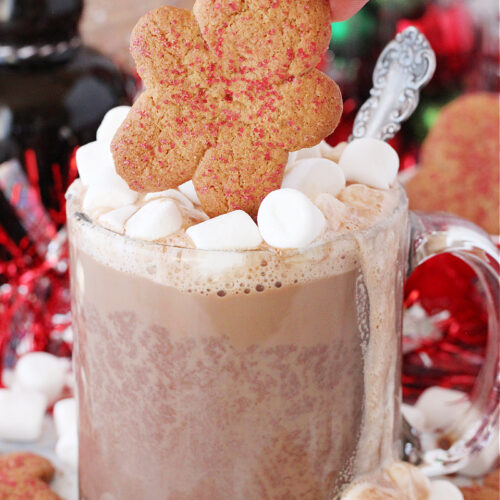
25 476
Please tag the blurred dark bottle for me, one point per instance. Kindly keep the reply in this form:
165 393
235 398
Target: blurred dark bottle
54 92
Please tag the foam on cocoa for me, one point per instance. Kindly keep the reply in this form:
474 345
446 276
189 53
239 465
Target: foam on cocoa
174 262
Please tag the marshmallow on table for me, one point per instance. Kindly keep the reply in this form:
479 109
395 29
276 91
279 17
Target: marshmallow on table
232 231
287 218
41 372
21 414
414 416
67 448
111 123
441 406
480 464
115 219
155 220
444 490
65 416
314 176
371 162
188 189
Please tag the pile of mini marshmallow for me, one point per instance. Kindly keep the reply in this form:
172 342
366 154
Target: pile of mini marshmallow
435 410
290 217
37 384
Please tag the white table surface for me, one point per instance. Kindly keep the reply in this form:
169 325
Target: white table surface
65 482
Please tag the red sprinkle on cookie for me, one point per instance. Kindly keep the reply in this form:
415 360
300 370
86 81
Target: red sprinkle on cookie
230 91
24 476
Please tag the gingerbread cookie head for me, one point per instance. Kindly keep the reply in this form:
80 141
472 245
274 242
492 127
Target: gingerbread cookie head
25 476
266 38
228 95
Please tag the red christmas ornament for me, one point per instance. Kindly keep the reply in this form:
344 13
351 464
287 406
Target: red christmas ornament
452 353
34 297
451 33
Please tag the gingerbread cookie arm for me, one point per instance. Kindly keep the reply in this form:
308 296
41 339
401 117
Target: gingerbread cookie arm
168 129
148 152
312 108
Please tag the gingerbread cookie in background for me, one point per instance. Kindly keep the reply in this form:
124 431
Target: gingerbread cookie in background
459 172
25 476
230 91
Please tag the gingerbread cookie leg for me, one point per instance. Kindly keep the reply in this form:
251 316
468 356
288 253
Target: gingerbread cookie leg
150 157
225 179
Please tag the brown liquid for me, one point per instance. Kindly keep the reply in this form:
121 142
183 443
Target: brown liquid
191 389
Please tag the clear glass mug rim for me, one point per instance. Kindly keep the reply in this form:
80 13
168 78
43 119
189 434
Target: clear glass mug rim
401 206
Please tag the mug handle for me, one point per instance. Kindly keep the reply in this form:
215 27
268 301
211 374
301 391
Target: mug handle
434 234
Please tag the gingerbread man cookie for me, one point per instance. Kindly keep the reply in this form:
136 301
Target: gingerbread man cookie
230 91
24 476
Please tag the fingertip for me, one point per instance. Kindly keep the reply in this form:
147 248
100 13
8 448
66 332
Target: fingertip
344 9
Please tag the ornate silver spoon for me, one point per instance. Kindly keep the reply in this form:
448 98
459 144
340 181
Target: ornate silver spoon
405 66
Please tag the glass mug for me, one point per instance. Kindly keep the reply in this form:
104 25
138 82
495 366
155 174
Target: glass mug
258 374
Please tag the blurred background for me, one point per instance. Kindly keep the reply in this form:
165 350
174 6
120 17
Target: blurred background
56 86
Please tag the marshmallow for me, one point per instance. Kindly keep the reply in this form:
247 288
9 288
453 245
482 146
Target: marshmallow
187 189
287 218
315 176
111 123
115 220
109 191
371 162
106 189
42 372
21 414
156 220
292 157
414 416
173 194
330 152
303 154
233 231
65 416
441 407
444 490
92 160
480 464
67 449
